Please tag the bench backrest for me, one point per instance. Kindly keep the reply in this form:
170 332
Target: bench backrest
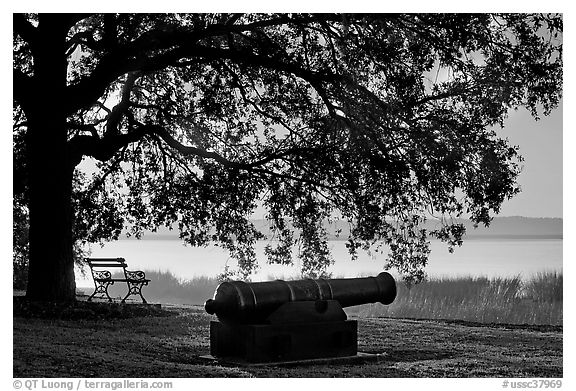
106 262
100 267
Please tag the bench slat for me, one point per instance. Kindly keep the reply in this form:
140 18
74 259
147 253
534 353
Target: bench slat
105 259
120 280
110 265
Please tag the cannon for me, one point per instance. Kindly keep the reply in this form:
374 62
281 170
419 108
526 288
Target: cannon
291 320
241 302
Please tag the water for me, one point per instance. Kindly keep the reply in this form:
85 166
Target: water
479 257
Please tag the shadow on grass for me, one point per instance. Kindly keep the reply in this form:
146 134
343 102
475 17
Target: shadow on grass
85 310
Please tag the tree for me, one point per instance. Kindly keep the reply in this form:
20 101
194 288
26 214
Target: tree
196 118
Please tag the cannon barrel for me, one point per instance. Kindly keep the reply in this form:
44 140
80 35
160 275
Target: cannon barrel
241 302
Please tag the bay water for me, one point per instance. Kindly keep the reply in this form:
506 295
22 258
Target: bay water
489 257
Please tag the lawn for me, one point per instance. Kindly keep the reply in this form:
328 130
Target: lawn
105 340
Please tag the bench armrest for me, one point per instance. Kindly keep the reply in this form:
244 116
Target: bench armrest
137 275
101 274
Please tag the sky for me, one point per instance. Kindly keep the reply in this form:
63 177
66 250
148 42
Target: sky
541 145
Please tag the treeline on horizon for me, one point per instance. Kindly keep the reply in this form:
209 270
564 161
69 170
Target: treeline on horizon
516 227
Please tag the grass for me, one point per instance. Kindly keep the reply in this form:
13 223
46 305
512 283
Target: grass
502 327
537 300
165 288
155 345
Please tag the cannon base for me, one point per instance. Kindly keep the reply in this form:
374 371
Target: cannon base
263 343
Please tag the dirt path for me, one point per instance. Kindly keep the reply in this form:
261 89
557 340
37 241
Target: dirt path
170 346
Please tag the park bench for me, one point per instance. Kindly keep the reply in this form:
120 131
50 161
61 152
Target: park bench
103 277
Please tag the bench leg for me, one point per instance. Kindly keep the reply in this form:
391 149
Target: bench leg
109 298
135 288
92 295
139 293
102 288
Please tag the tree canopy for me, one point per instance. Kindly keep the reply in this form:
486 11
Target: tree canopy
195 120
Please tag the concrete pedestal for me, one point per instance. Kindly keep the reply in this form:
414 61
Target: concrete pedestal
264 343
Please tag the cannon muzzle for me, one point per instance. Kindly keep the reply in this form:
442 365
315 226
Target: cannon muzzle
243 303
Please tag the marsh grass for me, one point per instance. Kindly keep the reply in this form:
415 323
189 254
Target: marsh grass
166 288
511 300
545 287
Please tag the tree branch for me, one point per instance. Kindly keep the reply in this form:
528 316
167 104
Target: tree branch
70 20
186 150
22 85
104 148
120 109
100 181
294 178
25 29
233 19
89 89
174 45
247 57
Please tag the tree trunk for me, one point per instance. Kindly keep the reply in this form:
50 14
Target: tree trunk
51 263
